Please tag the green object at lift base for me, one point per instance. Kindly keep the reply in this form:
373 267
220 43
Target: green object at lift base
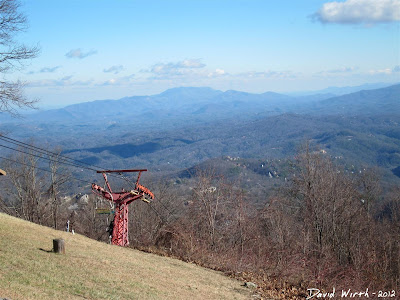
104 211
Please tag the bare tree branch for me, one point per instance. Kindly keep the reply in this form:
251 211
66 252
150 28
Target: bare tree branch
13 57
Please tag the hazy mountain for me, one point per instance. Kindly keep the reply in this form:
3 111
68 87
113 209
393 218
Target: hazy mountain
206 104
338 91
188 103
367 102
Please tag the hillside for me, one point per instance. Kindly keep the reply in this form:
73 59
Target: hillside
363 103
94 270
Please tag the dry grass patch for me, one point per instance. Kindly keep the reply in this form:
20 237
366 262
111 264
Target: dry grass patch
94 270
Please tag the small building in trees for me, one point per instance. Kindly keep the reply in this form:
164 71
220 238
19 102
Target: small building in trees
2 172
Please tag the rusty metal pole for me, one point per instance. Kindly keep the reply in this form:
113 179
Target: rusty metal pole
121 201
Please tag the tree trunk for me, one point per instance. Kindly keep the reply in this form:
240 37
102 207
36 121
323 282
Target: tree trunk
59 246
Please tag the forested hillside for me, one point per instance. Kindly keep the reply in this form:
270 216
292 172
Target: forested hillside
182 127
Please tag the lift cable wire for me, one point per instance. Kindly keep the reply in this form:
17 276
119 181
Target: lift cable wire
64 159
41 169
35 148
46 158
157 213
46 152
150 204
130 182
41 153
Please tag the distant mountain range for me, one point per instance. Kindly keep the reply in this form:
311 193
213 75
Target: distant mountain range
182 127
206 104
338 91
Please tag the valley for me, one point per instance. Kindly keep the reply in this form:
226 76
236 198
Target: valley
183 127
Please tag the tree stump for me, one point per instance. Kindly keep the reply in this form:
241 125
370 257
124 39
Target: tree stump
59 246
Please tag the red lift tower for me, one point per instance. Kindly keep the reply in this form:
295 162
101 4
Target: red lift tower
121 201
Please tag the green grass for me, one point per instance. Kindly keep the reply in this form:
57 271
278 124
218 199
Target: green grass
94 270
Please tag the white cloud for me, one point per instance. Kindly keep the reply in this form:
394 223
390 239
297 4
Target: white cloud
65 81
49 70
190 63
125 80
336 73
176 68
359 12
66 78
342 70
217 73
268 74
78 53
194 69
45 70
386 71
114 69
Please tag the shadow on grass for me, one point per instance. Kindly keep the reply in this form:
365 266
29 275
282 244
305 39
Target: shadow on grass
44 250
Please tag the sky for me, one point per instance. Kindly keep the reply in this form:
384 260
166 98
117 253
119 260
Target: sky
98 49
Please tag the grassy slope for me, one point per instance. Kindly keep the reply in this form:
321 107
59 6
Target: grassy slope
94 270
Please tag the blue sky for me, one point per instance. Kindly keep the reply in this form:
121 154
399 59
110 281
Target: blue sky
110 49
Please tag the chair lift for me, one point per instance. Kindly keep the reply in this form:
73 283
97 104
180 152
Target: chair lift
121 200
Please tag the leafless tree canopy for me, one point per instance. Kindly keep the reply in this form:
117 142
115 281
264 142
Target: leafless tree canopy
13 56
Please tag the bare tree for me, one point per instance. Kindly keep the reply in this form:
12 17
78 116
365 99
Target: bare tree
330 206
370 188
27 187
150 222
58 178
12 56
208 201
